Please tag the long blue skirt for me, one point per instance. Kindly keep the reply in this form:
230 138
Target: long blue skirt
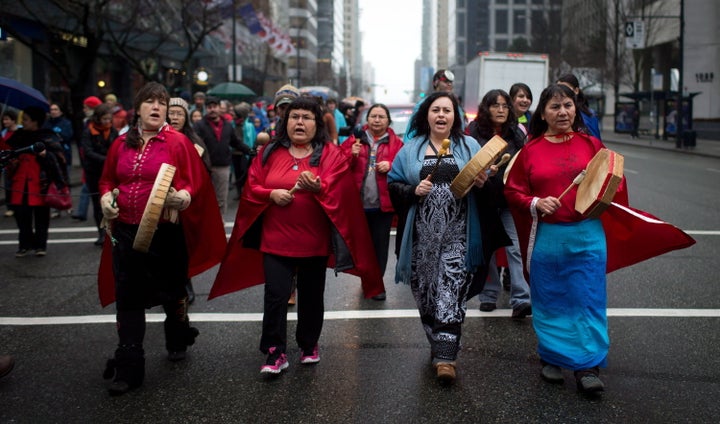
569 297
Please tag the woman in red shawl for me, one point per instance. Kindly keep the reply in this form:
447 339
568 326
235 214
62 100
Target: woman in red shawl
180 247
300 211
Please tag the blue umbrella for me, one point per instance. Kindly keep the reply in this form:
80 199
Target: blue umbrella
18 95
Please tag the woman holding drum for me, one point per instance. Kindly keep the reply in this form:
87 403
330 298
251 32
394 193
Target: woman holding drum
445 241
179 247
496 117
569 300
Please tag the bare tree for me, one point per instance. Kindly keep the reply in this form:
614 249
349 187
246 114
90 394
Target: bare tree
79 30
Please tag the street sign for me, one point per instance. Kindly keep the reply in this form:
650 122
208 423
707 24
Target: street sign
635 34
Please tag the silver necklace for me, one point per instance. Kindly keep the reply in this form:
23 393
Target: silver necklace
297 160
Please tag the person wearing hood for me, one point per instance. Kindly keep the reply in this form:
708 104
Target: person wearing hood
30 174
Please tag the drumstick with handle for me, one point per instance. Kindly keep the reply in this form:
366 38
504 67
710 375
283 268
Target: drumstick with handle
503 160
442 152
105 223
296 187
576 181
115 193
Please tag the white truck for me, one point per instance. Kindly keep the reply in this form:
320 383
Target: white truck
490 71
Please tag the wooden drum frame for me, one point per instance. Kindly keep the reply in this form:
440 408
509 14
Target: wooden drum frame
153 208
482 160
604 173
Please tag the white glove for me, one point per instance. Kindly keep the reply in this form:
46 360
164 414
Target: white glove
177 199
106 203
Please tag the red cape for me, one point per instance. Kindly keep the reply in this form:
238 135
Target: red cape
201 222
631 235
242 267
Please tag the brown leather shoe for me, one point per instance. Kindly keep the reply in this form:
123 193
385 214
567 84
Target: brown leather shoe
6 365
445 371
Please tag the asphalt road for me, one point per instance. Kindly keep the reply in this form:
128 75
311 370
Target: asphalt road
664 362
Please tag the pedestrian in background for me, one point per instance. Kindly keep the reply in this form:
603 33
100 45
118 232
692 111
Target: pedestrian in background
445 240
340 121
180 248
443 81
219 137
589 117
9 126
299 212
496 117
95 142
31 174
521 100
80 211
198 103
371 153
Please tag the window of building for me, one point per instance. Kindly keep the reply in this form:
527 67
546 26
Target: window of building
519 22
501 22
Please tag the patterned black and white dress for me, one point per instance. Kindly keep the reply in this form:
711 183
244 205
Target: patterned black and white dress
440 281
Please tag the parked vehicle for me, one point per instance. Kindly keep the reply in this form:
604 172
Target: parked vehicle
490 71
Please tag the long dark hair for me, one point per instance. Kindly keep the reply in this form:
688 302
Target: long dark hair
420 124
484 126
150 91
538 125
321 132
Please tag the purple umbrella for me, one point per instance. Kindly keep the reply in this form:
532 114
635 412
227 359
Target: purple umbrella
18 95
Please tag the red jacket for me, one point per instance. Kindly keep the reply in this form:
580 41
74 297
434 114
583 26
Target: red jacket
386 151
201 222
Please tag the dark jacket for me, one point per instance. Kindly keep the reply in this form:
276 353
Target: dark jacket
220 150
95 149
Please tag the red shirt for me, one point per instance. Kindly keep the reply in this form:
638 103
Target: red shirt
303 220
134 171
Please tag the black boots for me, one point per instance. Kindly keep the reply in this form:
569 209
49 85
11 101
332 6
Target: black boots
178 333
101 238
127 369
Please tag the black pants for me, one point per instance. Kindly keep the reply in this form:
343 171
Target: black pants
279 271
25 217
143 280
380 223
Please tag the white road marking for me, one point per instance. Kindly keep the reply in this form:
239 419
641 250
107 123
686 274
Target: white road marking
712 169
393 232
341 315
630 171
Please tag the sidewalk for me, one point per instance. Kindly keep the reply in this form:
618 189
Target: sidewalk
703 147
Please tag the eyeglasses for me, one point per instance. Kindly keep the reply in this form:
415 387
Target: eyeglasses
178 113
500 106
298 117
380 117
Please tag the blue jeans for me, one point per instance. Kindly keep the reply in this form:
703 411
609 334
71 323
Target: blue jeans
83 204
519 289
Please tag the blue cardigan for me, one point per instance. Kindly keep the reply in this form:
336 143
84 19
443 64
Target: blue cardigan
406 169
